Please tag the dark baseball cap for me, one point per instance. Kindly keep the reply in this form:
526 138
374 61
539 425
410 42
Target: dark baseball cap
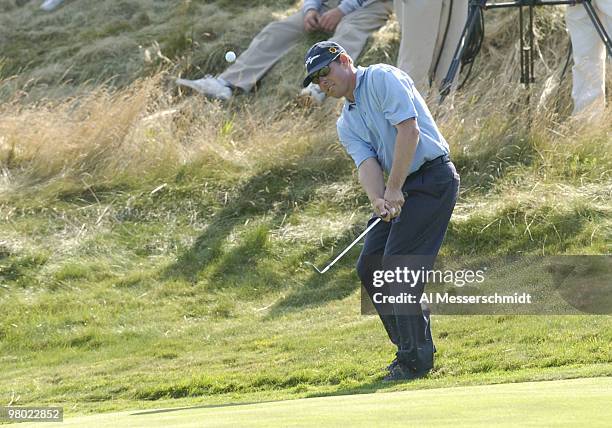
318 56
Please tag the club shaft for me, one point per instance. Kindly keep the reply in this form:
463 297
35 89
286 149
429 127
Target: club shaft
364 233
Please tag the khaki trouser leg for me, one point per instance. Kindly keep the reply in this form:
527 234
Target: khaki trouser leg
423 24
267 47
354 29
445 49
419 21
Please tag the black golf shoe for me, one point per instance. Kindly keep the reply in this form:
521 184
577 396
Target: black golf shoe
403 372
425 357
390 367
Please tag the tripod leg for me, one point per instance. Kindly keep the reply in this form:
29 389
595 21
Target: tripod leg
522 49
526 47
531 47
598 25
447 82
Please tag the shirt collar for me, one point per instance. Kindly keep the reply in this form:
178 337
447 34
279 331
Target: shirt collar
359 74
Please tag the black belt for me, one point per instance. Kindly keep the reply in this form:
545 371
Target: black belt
430 163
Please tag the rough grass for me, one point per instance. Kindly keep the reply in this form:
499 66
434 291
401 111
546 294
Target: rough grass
152 242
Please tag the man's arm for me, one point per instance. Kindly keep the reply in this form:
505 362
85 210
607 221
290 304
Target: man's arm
373 182
405 146
311 9
312 4
348 6
330 19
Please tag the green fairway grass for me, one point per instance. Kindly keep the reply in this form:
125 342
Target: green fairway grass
577 402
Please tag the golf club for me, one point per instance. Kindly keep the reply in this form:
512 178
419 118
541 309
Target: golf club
364 233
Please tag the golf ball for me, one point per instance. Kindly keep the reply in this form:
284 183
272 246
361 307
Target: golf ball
230 56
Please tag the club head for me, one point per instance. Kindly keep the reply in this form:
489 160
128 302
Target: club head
313 266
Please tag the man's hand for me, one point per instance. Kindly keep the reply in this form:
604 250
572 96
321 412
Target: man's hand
330 19
381 209
395 201
311 20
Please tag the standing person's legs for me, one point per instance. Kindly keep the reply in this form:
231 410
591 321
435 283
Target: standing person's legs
271 44
354 29
588 73
414 242
369 261
419 22
445 49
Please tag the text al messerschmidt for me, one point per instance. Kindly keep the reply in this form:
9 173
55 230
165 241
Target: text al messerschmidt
441 298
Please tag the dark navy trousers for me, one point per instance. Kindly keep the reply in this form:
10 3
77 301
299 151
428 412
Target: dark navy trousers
430 195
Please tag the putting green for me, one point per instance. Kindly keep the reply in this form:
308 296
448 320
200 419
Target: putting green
577 402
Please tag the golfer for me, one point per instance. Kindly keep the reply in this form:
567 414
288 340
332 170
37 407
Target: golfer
386 128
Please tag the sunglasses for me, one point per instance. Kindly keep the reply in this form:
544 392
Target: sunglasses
321 73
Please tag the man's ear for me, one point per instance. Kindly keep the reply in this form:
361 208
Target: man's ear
345 59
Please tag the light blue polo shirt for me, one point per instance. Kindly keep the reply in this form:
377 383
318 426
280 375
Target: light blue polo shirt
384 97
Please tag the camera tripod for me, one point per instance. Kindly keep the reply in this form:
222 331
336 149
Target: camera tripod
475 13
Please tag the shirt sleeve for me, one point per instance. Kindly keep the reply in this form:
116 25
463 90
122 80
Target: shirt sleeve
312 4
355 146
348 6
394 91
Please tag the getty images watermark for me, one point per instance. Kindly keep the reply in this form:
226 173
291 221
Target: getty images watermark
411 278
509 285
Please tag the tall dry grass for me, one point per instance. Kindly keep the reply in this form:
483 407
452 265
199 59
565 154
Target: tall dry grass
149 126
90 136
141 130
